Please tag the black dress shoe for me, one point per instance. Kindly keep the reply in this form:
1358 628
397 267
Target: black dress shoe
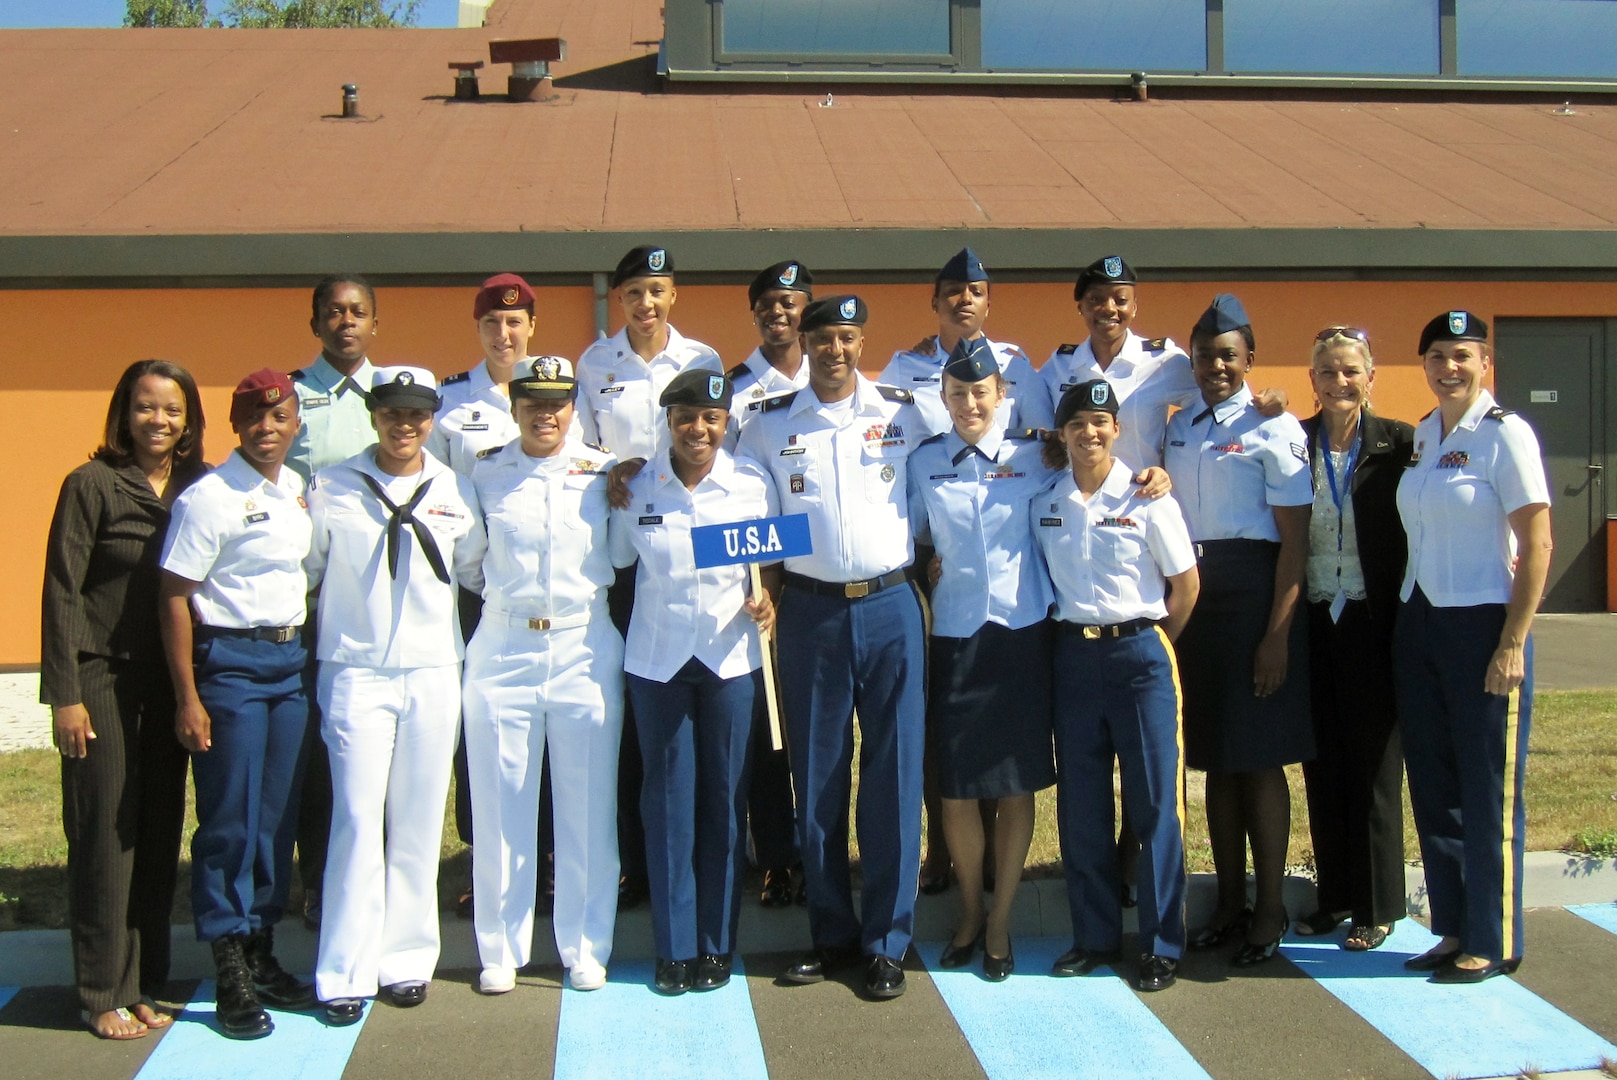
406 995
1211 937
1156 972
1249 954
1076 961
999 968
712 971
777 890
814 965
340 1012
933 884
1430 960
884 979
673 976
631 892
1454 973
958 956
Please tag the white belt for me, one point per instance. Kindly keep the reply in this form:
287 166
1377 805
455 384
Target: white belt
555 622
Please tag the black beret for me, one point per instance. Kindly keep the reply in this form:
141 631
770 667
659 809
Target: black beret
1224 314
1096 395
790 274
644 261
697 386
1453 326
1107 270
834 311
971 360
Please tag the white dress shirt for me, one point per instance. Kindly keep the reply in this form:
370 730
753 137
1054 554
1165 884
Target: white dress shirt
1150 377
1229 464
618 391
474 417
244 538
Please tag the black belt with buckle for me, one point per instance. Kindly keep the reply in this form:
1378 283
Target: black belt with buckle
275 635
1116 630
848 590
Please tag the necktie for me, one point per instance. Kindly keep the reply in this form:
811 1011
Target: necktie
1203 415
966 451
402 516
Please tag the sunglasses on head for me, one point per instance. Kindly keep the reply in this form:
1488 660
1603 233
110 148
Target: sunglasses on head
1353 332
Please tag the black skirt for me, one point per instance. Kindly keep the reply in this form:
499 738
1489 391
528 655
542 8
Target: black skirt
1228 728
989 708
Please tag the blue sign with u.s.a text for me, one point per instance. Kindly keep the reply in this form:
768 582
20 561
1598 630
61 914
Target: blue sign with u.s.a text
758 540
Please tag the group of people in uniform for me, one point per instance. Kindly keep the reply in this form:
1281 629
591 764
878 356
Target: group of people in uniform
1015 578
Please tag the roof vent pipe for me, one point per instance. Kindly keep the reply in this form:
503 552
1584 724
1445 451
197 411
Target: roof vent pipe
350 100
1141 92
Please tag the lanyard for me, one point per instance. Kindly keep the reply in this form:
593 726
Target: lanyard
1339 496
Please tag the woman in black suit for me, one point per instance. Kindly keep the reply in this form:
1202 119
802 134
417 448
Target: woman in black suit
1356 556
112 707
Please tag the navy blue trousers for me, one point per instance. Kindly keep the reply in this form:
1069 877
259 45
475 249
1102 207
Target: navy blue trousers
695 744
867 654
257 696
1118 698
1466 753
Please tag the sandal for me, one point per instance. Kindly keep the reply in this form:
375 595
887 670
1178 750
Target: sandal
1320 923
125 1015
155 1019
1364 938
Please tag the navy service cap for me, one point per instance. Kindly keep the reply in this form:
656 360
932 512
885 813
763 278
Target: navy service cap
790 274
698 387
1453 326
1224 314
545 378
643 261
503 292
965 266
1106 270
1096 395
971 361
834 311
404 388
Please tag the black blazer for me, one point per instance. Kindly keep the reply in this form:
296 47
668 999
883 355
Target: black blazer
1383 548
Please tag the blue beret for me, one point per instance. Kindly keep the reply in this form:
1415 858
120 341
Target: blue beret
965 266
1453 326
971 360
643 261
783 275
1106 270
1224 314
699 387
1096 395
834 311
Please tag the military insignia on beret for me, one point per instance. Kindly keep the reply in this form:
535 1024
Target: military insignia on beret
849 308
1113 266
888 472
1457 322
715 386
509 298
788 277
657 260
272 393
1100 393
404 378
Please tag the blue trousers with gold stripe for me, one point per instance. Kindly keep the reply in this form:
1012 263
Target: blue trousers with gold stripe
1466 753
1119 698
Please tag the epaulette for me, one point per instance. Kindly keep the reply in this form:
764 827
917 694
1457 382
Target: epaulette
736 372
932 439
1496 413
1067 350
299 375
780 402
1156 344
893 393
491 451
925 347
597 447
1026 434
453 379
1432 413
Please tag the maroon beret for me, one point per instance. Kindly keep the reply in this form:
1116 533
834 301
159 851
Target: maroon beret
503 292
260 390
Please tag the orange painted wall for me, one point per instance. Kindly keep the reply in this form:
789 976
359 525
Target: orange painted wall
61 351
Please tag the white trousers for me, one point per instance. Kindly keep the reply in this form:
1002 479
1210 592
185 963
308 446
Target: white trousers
527 690
391 735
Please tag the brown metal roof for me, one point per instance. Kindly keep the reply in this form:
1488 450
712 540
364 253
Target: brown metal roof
149 132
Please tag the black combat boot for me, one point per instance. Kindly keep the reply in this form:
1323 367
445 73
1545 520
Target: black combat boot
277 987
236 1005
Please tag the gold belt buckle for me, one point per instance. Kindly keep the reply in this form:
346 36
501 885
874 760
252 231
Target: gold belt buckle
538 624
853 590
1092 633
284 634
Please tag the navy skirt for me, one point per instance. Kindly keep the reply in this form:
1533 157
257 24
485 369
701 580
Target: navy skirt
989 711
1228 728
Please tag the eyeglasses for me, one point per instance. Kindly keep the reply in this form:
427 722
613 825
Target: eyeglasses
1331 333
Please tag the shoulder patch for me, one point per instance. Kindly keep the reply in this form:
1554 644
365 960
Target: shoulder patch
1067 349
491 451
453 379
1496 413
779 402
299 375
893 393
737 371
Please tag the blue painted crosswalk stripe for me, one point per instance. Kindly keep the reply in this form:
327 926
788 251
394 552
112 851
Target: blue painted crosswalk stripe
1602 915
1495 1028
1024 1027
615 1031
301 1047
6 994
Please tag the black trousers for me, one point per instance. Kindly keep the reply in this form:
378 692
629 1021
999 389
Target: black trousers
123 806
1354 784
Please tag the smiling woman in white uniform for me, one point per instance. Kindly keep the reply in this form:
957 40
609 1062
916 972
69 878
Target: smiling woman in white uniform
1477 510
544 672
1245 487
392 525
693 660
989 655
